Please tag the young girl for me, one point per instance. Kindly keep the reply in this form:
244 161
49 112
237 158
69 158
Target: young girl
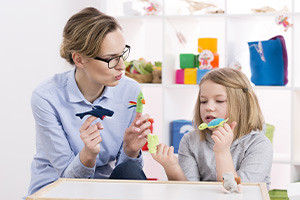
240 146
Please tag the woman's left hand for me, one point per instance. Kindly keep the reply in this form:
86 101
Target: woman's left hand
135 136
223 137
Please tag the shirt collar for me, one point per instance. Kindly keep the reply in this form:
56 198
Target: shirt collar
75 94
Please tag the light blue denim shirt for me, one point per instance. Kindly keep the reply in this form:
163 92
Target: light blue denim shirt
54 105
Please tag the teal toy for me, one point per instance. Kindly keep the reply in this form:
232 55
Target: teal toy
213 124
138 104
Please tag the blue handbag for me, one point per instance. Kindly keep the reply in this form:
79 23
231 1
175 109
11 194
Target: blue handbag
268 62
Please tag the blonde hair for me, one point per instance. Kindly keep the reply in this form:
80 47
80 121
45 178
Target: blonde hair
84 33
242 103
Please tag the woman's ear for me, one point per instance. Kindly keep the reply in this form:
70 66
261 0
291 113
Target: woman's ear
78 59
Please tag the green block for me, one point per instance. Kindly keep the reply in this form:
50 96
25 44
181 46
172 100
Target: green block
278 195
188 61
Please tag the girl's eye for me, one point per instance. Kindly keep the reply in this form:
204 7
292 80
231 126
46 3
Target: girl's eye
220 101
203 102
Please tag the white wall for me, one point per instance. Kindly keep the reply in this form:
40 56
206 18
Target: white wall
30 36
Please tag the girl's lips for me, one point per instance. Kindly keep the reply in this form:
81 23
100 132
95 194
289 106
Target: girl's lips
119 77
210 118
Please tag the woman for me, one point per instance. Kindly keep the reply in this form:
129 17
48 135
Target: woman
70 147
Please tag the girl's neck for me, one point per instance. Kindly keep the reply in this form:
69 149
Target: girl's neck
90 90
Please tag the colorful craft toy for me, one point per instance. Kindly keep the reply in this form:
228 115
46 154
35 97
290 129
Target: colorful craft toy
138 104
283 19
97 111
153 141
213 124
205 58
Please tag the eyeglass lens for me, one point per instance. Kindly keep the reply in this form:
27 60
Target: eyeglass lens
114 62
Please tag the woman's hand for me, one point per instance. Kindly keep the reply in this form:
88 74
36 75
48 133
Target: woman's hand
165 156
91 138
135 136
223 137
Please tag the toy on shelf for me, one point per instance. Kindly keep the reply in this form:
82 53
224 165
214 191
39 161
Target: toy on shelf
213 124
196 7
141 70
205 58
178 129
231 183
153 8
282 18
97 111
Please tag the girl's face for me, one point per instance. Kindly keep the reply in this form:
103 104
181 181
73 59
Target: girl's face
213 101
97 71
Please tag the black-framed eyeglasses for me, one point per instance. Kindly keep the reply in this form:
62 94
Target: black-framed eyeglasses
113 62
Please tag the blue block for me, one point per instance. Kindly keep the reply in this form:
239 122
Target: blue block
201 73
178 129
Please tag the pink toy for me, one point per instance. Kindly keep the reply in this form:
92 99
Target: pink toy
282 19
180 76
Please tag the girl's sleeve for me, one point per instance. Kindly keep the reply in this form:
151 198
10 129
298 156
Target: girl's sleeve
187 160
257 162
52 144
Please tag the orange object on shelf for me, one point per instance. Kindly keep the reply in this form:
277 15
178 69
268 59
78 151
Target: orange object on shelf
208 44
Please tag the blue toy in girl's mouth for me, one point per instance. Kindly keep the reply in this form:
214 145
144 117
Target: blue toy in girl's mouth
213 124
97 111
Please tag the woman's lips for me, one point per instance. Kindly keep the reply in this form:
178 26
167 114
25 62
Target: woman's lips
119 77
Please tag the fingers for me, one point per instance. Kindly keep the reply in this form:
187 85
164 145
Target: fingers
87 123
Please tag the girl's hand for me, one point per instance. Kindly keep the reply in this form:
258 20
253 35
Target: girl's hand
165 156
135 136
90 136
223 137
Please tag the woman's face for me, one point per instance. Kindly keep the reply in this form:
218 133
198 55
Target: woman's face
213 101
97 71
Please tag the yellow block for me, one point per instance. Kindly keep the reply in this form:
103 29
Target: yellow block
190 76
208 44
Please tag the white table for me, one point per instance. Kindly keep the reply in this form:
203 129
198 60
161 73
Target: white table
96 189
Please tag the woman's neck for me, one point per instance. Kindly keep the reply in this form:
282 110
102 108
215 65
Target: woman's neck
90 90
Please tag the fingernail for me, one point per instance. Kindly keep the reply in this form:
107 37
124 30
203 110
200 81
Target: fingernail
138 121
137 129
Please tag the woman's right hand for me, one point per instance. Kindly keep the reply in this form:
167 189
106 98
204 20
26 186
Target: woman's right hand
91 138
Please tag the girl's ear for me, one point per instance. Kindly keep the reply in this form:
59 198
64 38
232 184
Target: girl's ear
78 59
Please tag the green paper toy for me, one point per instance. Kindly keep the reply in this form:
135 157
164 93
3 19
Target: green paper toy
138 104
213 124
152 142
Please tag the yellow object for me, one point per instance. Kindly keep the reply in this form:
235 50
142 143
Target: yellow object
208 44
190 76
152 142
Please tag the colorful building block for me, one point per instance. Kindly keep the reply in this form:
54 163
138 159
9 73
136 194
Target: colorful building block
190 76
208 44
201 73
188 61
178 129
179 76
215 62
